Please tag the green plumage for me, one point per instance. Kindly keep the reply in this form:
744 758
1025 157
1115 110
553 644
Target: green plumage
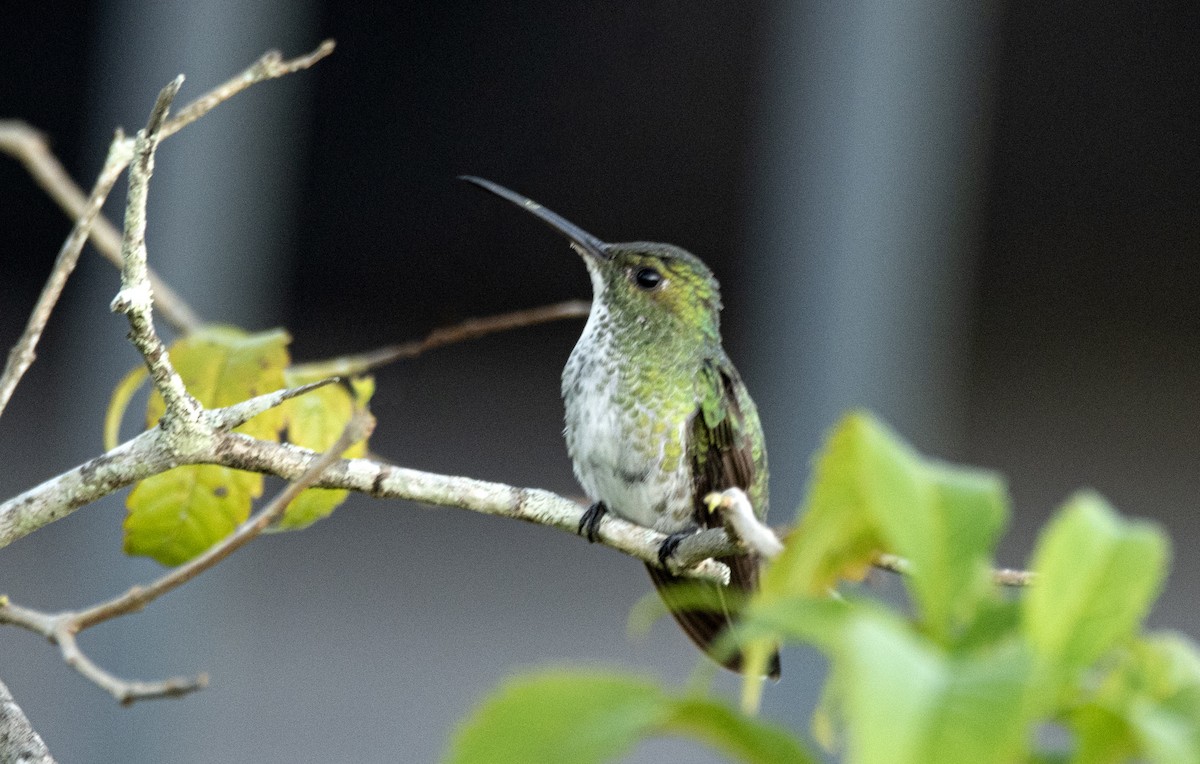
657 417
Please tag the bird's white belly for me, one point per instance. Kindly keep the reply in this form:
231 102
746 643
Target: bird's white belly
619 453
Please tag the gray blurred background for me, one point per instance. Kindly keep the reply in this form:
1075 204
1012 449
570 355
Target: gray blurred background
979 220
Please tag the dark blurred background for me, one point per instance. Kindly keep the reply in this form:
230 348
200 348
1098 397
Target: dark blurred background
979 220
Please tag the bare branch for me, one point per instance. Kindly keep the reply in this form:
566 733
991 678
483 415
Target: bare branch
134 460
151 453
136 299
1011 577
29 146
746 531
240 413
473 328
270 66
1000 576
22 355
62 628
19 741
391 481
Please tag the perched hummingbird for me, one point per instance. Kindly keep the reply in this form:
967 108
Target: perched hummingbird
657 417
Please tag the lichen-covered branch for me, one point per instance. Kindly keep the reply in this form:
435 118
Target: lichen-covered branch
136 300
149 454
19 741
62 628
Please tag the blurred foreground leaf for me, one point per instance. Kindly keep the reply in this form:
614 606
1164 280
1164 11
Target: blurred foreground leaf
588 717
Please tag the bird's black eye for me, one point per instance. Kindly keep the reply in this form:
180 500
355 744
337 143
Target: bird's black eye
647 278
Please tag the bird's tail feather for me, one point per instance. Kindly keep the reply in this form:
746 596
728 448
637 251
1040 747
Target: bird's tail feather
704 623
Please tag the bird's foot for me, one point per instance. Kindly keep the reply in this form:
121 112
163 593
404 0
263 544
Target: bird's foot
670 544
589 524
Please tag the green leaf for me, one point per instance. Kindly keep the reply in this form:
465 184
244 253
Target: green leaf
559 716
836 537
582 717
119 402
175 516
316 420
223 365
180 513
871 492
742 737
948 537
1101 736
1170 729
908 702
1147 705
1097 576
819 621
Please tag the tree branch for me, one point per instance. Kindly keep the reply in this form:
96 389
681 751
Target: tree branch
268 67
150 454
136 298
62 628
472 328
741 524
23 354
19 741
30 148
1000 576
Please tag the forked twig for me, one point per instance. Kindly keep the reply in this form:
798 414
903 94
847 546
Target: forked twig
62 628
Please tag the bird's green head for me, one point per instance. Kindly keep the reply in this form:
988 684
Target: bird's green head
655 286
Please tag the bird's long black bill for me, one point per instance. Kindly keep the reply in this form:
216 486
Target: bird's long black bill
582 239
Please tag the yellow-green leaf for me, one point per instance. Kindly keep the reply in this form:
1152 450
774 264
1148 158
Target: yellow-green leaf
954 709
177 515
1097 575
872 492
580 717
316 420
835 538
119 402
223 365
1147 707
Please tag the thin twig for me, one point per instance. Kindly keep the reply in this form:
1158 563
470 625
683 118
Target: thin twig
358 428
136 299
24 352
239 413
30 147
1000 576
1013 577
271 65
745 530
62 628
473 328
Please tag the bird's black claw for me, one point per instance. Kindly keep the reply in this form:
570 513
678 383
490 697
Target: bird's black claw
589 524
669 545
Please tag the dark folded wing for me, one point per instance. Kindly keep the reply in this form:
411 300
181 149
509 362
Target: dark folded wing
725 450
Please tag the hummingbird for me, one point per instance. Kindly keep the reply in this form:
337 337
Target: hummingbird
657 417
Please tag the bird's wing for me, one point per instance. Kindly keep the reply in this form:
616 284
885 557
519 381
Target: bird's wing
725 450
